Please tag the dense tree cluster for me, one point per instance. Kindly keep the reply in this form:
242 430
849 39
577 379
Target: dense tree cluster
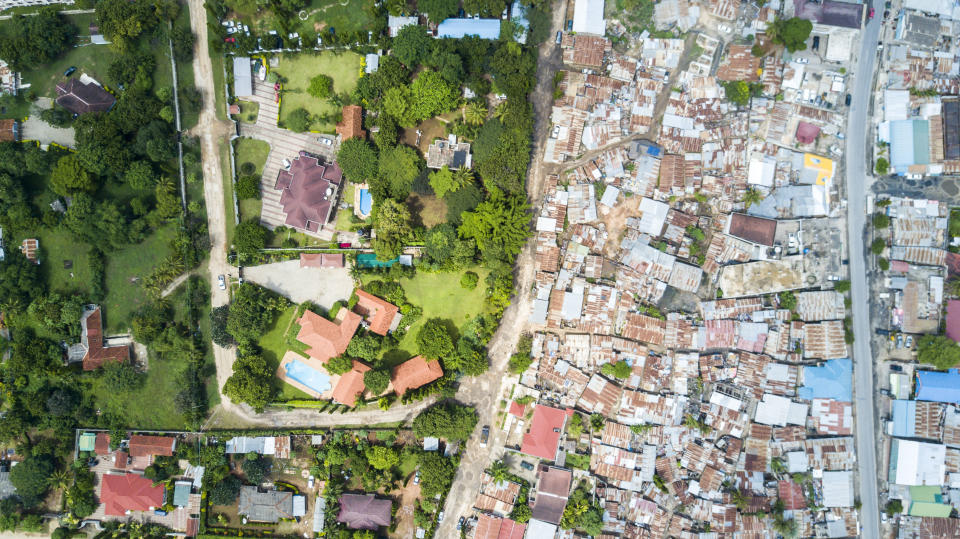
446 420
28 42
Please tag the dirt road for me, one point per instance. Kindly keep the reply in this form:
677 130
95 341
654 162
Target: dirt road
208 130
485 392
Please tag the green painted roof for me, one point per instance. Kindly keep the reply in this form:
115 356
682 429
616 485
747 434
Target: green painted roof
88 441
926 493
927 509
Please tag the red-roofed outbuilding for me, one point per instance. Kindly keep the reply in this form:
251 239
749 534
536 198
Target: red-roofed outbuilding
380 314
415 372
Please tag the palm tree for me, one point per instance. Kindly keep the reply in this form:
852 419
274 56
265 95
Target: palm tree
739 499
60 479
777 466
355 273
498 471
752 196
475 113
461 178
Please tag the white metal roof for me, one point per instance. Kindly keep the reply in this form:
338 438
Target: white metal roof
588 17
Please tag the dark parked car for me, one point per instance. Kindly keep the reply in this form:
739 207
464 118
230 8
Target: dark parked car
484 435
816 42
896 368
526 465
848 99
881 331
70 71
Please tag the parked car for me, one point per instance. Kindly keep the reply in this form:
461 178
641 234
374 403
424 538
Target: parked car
460 523
883 332
848 99
816 42
440 517
909 341
484 435
801 61
222 282
872 13
896 368
526 465
310 482
70 71
899 340
559 37
416 478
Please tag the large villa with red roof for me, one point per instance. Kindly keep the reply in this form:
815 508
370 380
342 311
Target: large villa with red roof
326 339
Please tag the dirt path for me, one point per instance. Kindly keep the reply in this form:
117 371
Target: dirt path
485 392
174 285
209 130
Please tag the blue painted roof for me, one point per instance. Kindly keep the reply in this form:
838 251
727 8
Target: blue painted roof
833 380
459 28
904 416
939 386
909 143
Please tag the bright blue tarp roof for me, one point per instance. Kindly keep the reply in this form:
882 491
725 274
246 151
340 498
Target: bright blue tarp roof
831 381
939 386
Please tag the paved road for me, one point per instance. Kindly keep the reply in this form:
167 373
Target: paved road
858 141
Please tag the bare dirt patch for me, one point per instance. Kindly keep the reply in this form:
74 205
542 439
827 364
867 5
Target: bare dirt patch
430 129
616 222
430 209
408 501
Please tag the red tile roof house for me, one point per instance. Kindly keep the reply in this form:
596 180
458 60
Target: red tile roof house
327 339
382 316
91 350
545 429
309 192
351 126
129 492
414 373
553 490
364 512
953 320
80 98
350 385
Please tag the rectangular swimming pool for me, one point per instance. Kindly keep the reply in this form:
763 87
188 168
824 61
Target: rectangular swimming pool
306 375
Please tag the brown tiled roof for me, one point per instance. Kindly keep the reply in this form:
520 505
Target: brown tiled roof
143 446
308 192
364 512
327 339
379 313
352 123
321 260
414 373
8 130
101 445
350 385
80 98
97 354
753 229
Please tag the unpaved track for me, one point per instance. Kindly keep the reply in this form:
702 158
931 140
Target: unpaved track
484 392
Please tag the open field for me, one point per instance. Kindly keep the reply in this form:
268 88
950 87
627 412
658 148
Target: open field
159 389
58 247
296 70
321 15
125 267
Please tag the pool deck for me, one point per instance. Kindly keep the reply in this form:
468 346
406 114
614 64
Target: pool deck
313 364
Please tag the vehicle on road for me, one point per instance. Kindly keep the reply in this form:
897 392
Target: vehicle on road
801 60
222 282
440 517
848 99
559 37
70 71
872 13
484 435
883 332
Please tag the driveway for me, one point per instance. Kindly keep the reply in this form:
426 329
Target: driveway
36 129
323 286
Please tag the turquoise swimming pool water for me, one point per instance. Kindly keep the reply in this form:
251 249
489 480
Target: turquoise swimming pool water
366 202
308 376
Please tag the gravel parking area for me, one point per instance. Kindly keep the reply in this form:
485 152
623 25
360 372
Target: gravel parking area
36 129
323 286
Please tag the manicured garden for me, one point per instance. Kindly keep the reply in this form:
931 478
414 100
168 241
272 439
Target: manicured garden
296 70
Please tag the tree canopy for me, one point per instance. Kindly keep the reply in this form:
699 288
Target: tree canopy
500 225
939 351
438 10
376 380
393 229
28 42
358 160
31 478
247 383
398 167
433 340
791 33
446 420
411 43
321 87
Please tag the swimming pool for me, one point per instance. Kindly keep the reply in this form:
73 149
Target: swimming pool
366 202
306 375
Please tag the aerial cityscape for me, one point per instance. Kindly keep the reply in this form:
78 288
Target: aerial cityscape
480 269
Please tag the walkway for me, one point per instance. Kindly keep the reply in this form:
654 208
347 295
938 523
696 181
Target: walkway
284 144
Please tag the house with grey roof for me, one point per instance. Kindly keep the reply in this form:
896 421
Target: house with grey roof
269 506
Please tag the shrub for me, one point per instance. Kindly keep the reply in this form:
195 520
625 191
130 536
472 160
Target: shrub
248 187
247 167
469 280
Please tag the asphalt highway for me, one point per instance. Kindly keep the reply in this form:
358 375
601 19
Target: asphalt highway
859 137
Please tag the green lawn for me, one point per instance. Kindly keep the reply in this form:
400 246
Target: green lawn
441 296
253 151
248 112
346 16
124 295
150 407
92 60
275 344
250 208
17 108
58 246
298 69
